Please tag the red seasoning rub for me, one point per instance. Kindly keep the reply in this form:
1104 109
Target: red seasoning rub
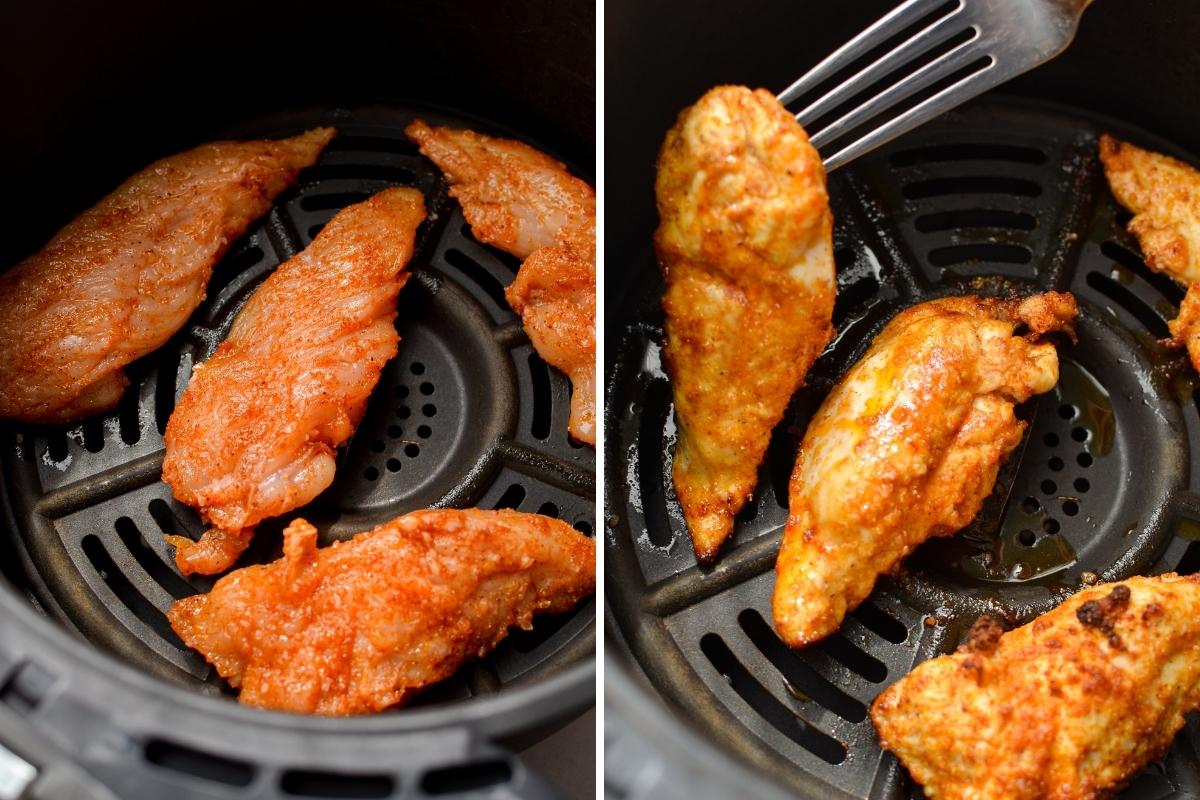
255 431
125 275
527 204
361 625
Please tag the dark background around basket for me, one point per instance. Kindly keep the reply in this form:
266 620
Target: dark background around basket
93 91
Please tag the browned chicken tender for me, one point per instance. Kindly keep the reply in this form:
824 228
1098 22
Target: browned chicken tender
361 625
746 249
1072 705
256 431
527 204
124 276
1163 194
907 447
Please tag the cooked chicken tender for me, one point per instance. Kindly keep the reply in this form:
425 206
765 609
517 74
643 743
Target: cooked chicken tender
255 431
1072 705
361 625
1163 194
907 447
527 204
124 276
745 242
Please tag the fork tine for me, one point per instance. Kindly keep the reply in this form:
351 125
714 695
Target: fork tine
950 97
878 32
927 75
926 39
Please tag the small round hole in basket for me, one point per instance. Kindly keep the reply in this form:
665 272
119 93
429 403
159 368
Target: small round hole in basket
1070 508
1027 537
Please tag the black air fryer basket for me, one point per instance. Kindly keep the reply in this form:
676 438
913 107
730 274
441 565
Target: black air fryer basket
98 697
1003 195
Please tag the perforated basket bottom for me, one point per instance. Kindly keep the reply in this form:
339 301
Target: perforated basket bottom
1002 196
466 415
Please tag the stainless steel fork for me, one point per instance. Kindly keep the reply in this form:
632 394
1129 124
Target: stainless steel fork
957 49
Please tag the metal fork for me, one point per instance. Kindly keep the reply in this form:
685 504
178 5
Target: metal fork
993 41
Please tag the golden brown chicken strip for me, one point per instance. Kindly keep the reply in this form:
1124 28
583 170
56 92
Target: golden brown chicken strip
907 447
255 431
126 274
1071 705
360 625
527 204
1163 194
746 249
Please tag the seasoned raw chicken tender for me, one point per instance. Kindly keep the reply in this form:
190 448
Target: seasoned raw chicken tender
746 249
125 275
360 625
907 447
527 204
1072 705
255 431
1164 196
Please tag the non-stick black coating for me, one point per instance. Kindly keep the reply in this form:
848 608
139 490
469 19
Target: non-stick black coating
1132 60
92 93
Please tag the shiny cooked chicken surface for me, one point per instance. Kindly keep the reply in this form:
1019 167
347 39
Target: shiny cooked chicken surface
907 447
527 204
125 275
360 625
1163 194
746 250
255 431
1072 705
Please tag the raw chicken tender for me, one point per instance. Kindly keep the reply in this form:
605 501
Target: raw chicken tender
124 276
527 204
255 432
360 625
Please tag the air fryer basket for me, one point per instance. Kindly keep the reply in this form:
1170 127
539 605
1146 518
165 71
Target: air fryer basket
1004 195
466 415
